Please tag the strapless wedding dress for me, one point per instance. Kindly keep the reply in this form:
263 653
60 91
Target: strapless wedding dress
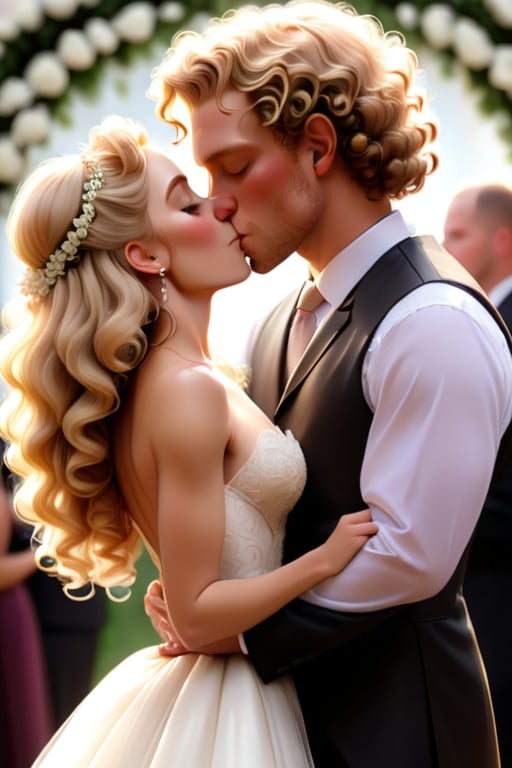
203 711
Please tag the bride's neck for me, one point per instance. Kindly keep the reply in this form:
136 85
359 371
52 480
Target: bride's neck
182 326
186 341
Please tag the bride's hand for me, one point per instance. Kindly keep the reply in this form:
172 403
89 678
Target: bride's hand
156 609
350 535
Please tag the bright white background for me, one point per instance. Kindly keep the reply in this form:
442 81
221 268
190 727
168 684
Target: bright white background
469 147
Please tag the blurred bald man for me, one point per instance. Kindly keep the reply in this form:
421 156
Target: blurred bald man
478 232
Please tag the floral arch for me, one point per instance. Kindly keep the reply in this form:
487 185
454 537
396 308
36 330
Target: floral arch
50 49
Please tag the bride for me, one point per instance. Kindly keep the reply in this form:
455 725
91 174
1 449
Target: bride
123 428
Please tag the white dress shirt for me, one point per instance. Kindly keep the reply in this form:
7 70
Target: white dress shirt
438 379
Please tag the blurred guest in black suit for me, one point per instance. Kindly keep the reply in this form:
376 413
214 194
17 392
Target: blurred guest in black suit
70 632
478 232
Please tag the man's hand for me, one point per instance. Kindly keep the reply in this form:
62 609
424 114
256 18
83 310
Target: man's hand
156 609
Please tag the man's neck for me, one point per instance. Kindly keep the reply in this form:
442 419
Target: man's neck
340 226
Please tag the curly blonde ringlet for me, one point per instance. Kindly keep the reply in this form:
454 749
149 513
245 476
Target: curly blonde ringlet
67 360
301 58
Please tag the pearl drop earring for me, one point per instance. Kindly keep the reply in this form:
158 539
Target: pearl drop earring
163 287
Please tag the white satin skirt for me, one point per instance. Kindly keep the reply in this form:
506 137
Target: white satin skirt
190 712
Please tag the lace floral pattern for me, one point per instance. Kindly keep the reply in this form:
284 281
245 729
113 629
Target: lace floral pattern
258 500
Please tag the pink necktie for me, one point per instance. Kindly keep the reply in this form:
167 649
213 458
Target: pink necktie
303 325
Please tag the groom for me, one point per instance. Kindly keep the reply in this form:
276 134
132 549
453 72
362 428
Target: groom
309 116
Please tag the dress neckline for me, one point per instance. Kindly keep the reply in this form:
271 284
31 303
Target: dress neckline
264 432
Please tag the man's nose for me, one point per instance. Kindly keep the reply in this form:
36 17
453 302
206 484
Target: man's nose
224 207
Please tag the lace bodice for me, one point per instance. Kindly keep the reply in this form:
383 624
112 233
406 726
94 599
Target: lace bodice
258 500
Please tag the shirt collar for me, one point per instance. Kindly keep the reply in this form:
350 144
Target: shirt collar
345 270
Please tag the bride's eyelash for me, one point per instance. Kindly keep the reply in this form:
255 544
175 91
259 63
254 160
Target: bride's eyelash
192 208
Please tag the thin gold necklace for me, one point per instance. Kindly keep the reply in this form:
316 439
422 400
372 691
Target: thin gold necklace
204 361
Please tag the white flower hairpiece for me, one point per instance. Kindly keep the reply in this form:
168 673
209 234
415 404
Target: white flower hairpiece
38 282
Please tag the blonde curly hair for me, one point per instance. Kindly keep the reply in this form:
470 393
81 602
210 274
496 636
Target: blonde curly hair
68 359
296 59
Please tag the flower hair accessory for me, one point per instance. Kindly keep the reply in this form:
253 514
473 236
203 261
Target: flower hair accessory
38 282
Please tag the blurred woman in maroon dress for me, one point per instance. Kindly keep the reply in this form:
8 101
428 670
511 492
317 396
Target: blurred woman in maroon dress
24 704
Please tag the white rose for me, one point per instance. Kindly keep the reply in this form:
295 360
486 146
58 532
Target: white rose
135 23
75 50
11 162
407 15
60 9
500 73
46 75
29 15
9 30
501 11
101 36
15 94
171 12
437 25
472 44
31 126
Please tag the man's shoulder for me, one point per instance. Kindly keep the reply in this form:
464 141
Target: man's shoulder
447 266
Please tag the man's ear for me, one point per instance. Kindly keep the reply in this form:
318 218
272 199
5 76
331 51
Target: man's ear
322 141
137 257
503 240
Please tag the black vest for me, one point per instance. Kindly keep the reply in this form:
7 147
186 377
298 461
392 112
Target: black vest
399 687
333 433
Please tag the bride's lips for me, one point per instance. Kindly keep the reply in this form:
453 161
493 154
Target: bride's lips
238 239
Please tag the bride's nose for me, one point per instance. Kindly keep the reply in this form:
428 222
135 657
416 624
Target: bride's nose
224 207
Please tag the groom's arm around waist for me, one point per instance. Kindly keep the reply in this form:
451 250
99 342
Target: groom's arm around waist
301 631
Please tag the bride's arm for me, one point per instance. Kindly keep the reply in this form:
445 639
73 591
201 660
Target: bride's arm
191 436
156 609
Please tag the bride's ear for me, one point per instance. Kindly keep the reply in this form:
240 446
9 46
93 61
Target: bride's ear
138 258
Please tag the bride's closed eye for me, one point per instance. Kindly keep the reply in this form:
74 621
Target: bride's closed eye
191 208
